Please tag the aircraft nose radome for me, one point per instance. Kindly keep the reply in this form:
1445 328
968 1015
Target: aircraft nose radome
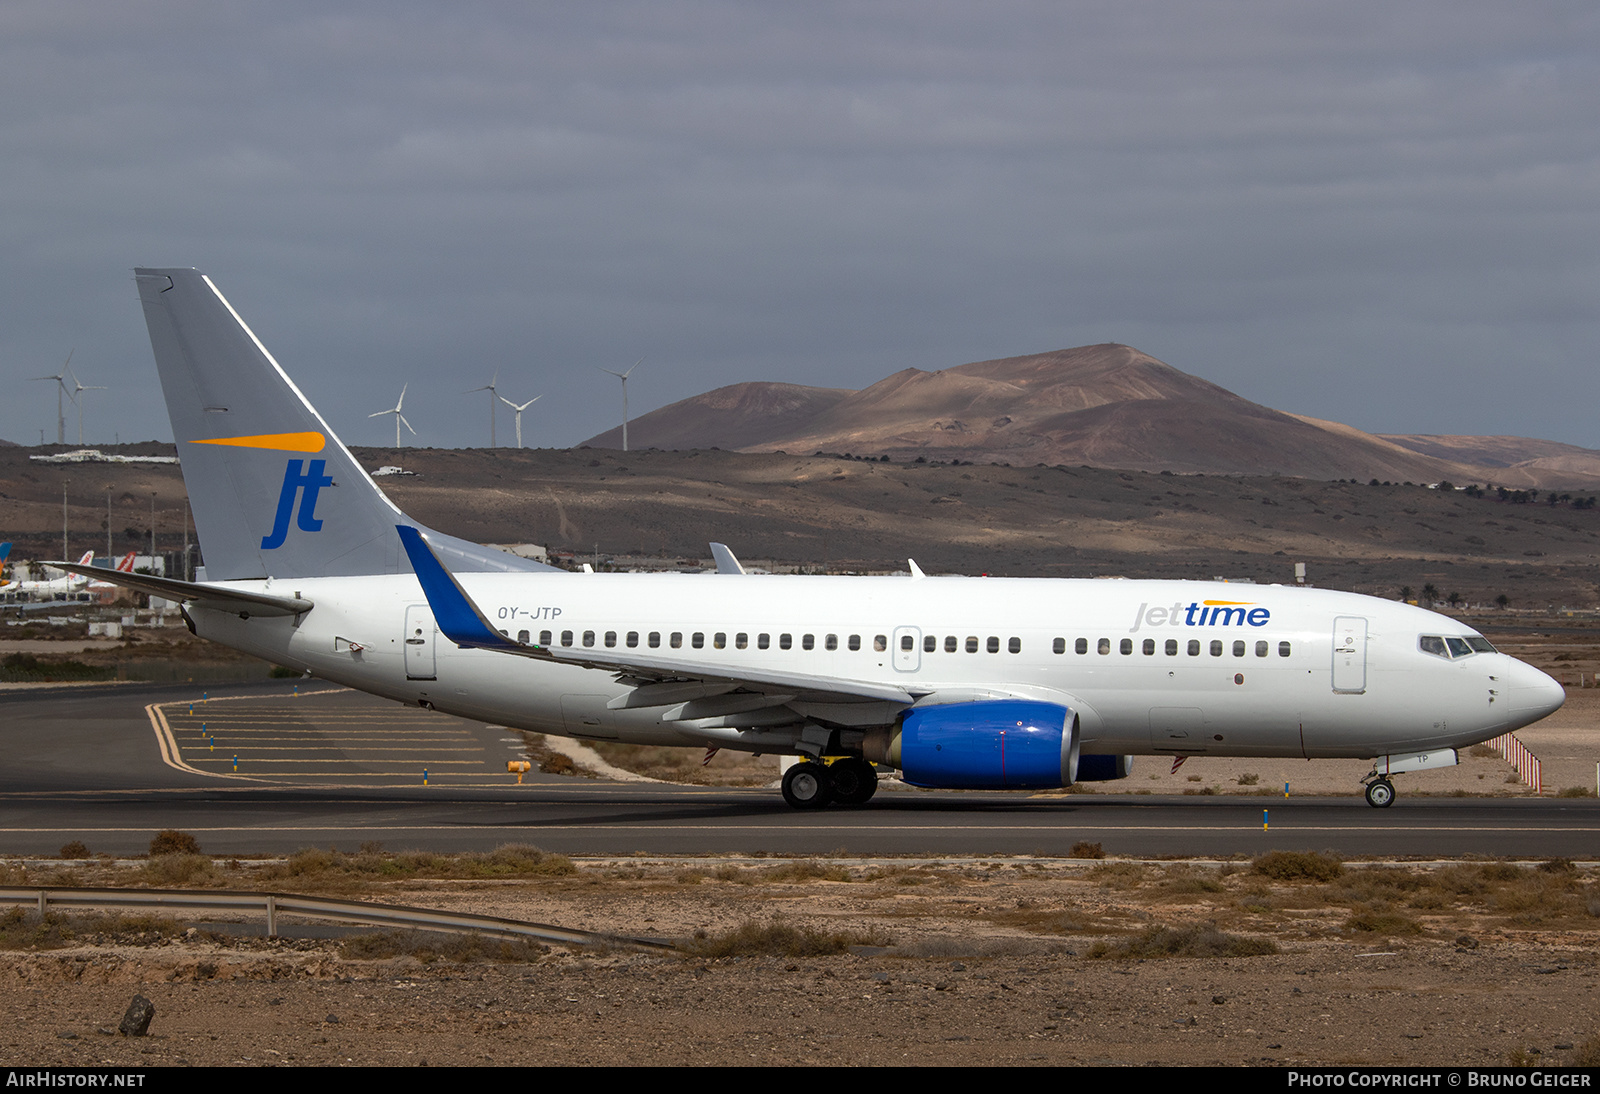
1534 695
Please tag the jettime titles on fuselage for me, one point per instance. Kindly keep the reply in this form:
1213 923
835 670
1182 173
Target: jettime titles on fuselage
1207 613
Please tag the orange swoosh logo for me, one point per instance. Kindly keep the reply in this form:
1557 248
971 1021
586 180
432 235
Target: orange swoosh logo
1227 603
280 442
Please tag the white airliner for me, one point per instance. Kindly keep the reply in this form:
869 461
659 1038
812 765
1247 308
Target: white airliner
957 682
66 583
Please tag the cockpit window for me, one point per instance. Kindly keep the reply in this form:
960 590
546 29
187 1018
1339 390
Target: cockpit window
1454 646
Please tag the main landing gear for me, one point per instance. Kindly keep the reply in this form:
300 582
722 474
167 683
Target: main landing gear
813 785
1380 793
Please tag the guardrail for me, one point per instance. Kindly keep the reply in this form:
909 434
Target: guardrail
272 905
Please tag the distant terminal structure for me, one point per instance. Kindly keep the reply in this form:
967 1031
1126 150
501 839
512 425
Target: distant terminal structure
94 455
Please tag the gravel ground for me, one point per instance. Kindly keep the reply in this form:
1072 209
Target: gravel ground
987 962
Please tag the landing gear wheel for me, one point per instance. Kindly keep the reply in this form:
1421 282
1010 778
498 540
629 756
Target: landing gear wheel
1380 793
854 781
807 786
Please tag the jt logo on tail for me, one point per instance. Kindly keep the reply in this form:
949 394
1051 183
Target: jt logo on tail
306 483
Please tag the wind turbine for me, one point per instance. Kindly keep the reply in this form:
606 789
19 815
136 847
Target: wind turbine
519 410
61 389
623 376
398 417
493 395
79 387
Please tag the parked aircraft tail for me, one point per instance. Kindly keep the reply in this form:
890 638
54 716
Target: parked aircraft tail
274 492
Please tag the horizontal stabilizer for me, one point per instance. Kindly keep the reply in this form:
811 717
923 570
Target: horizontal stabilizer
200 595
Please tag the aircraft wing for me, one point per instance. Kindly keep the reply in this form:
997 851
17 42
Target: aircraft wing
219 597
465 624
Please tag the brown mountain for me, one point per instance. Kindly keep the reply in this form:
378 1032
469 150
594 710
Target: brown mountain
1105 406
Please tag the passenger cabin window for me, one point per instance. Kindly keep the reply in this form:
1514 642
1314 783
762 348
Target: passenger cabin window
741 640
855 641
1059 646
1081 645
655 640
566 638
588 638
1014 645
544 638
698 640
930 644
831 642
763 641
1238 649
1104 646
677 640
785 641
1283 649
523 637
972 643
611 639
1216 647
1149 647
807 642
633 639
951 643
907 642
1126 646
720 640
880 642
1172 647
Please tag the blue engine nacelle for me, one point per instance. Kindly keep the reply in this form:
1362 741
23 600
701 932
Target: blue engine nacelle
998 744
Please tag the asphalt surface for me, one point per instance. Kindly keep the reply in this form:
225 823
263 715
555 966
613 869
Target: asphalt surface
339 770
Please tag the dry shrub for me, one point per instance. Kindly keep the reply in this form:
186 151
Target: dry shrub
1185 942
340 872
1085 849
1297 866
170 841
1383 923
778 939
1588 1053
177 869
1045 921
558 763
807 870
76 849
1118 875
430 947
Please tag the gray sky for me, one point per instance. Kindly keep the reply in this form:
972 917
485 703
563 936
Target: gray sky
1378 212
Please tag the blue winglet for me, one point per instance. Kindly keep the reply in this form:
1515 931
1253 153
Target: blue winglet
453 610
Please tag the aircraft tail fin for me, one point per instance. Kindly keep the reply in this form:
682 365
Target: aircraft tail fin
274 492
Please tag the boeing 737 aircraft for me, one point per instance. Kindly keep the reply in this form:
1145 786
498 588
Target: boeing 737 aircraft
976 683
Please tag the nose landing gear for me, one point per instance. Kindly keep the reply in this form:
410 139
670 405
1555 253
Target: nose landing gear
1380 793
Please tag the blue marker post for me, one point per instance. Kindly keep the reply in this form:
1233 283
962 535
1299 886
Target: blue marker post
424 777
236 763
1263 820
1286 790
